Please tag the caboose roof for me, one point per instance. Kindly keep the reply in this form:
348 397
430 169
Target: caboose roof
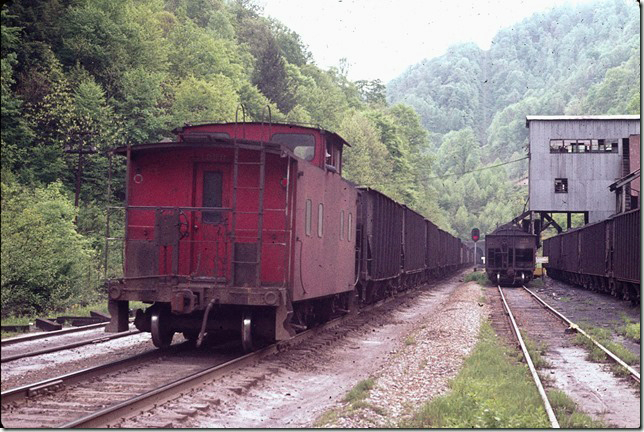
204 141
318 129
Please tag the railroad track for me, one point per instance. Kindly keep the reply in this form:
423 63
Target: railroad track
531 309
109 394
45 335
87 397
15 352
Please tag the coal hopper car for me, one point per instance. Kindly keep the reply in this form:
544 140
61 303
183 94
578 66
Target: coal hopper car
510 255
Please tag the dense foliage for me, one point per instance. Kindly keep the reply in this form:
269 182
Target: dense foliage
569 60
91 74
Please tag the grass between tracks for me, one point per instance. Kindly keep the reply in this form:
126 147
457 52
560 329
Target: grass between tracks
492 390
355 401
604 337
478 277
630 329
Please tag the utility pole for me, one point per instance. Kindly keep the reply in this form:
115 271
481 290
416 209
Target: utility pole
80 150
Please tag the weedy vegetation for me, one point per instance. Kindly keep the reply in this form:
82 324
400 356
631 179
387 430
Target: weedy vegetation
630 329
604 337
492 390
567 413
478 277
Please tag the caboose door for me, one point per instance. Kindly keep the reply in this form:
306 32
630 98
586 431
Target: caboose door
210 252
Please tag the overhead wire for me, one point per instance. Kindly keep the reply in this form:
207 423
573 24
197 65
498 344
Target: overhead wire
454 174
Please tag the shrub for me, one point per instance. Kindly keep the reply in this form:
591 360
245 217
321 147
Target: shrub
45 262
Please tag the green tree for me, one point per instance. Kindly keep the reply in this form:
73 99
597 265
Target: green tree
45 263
200 100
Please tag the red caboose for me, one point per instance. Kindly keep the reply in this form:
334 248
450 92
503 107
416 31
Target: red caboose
238 226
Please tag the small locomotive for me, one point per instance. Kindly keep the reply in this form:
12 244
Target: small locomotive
251 228
510 255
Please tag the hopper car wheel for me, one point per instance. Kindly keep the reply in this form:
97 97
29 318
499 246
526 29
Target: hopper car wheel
161 334
246 332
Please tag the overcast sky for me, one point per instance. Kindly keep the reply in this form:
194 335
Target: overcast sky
381 38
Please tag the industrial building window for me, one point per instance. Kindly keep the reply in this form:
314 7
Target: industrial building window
561 185
212 187
303 145
608 145
341 224
350 226
320 219
307 217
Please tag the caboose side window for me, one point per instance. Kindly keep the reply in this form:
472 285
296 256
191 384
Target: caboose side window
303 145
320 219
212 192
350 224
307 217
341 224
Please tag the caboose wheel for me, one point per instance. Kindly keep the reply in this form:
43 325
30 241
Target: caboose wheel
161 333
246 332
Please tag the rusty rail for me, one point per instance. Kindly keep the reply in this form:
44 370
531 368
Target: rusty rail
43 335
69 346
533 371
634 374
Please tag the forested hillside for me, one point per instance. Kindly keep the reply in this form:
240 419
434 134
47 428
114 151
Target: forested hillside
570 60
95 74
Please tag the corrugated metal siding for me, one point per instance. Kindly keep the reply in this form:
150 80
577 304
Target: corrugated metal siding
433 246
415 241
570 251
384 227
592 245
552 249
442 246
588 174
626 253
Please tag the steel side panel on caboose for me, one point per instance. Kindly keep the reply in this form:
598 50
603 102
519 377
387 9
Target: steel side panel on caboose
323 255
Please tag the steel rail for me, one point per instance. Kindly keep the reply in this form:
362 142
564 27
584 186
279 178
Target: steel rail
69 346
170 391
634 374
43 335
533 371
73 377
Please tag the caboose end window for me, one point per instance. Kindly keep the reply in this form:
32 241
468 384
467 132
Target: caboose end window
302 145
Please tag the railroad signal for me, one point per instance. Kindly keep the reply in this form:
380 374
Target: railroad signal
475 234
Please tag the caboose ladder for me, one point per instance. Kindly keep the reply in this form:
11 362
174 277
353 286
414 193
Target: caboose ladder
260 212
